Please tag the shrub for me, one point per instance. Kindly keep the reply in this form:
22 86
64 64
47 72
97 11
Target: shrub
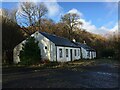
51 64
45 61
30 53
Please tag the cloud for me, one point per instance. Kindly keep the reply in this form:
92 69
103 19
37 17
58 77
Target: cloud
112 31
114 28
54 9
88 26
75 11
103 30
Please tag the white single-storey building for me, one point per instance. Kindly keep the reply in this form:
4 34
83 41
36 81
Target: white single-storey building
52 47
55 48
86 51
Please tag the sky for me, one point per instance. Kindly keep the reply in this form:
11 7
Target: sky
97 17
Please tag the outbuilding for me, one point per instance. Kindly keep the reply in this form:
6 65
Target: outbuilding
86 51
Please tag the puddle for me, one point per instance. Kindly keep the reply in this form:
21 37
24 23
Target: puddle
108 74
104 73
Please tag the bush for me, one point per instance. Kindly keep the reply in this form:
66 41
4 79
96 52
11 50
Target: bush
44 61
108 52
30 53
51 64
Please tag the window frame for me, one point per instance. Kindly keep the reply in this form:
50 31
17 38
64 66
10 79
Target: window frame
78 52
88 53
60 53
75 52
66 52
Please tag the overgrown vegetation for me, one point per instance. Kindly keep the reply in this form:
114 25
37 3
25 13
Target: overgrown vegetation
66 65
30 53
11 36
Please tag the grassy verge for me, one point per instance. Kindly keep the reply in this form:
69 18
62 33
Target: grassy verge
73 64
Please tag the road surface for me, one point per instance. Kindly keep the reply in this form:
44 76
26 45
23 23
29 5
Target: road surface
97 76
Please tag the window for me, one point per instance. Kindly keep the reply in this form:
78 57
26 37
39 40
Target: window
45 47
60 53
88 54
37 33
78 53
75 52
66 52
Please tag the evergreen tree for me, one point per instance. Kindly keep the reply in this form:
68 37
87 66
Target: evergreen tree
30 53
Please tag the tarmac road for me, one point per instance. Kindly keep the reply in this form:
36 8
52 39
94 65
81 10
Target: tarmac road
99 76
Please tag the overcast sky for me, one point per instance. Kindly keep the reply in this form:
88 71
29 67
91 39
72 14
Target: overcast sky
97 17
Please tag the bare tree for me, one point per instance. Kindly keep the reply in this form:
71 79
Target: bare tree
5 13
13 14
71 21
9 15
41 11
26 13
30 15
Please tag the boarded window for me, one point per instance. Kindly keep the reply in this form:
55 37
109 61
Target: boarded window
75 52
60 53
66 52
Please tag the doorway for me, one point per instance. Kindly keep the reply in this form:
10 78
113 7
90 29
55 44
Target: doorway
71 54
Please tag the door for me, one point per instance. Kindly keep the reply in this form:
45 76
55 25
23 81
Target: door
71 54
91 55
81 55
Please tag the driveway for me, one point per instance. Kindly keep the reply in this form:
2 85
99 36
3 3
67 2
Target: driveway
96 76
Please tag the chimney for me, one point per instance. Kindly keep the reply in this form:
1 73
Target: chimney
74 40
84 42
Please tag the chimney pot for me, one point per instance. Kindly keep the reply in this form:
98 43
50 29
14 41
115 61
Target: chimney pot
84 42
74 40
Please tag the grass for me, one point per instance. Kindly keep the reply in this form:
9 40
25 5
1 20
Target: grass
72 64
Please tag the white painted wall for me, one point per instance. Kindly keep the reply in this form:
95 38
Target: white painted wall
52 51
94 54
64 58
91 53
49 53
84 53
45 42
16 52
